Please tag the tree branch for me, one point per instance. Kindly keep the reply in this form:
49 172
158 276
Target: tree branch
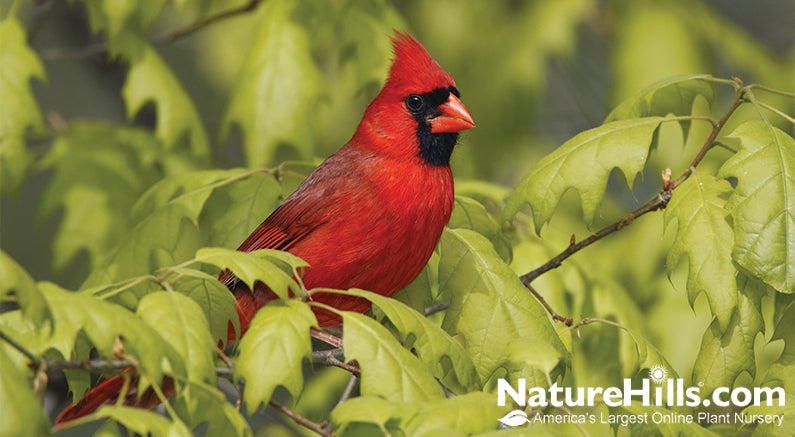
301 420
658 202
166 37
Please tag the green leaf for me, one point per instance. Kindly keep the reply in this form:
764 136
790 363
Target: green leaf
763 204
236 209
19 109
276 88
726 352
470 214
388 370
782 370
362 409
432 345
104 322
21 414
469 413
100 171
150 79
705 237
214 299
786 411
251 267
199 403
144 422
489 305
673 95
181 322
17 285
584 163
272 350
664 428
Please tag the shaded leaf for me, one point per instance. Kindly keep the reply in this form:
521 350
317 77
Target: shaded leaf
388 370
199 403
489 305
705 237
664 428
469 214
362 409
276 87
19 110
763 204
143 422
21 414
272 350
181 322
584 163
783 369
150 79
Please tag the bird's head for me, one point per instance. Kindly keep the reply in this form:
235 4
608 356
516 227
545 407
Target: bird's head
418 112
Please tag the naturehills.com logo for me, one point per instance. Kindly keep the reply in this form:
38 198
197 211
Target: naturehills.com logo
657 390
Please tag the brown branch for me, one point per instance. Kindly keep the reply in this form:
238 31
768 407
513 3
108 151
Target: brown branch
301 420
166 37
657 203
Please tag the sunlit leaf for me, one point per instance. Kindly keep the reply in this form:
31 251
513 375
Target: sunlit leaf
21 414
19 110
272 350
276 87
388 370
763 204
727 351
363 409
251 267
17 286
181 322
783 370
143 422
199 403
469 214
214 299
705 236
489 306
433 346
584 164
469 413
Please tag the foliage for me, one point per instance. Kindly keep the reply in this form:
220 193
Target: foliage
144 208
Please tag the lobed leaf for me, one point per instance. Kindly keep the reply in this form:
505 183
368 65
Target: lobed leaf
251 267
388 370
470 214
782 371
584 164
273 349
19 110
144 422
705 237
363 409
433 346
21 414
17 286
468 413
276 87
150 79
728 351
181 322
199 403
672 95
763 204
214 299
489 305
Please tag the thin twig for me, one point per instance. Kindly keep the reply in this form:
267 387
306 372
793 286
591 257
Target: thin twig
335 357
658 202
30 356
776 111
772 90
441 306
301 420
101 47
326 337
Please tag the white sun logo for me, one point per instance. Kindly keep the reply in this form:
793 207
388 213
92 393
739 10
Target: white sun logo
658 374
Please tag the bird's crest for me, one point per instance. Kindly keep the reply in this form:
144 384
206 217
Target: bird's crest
413 68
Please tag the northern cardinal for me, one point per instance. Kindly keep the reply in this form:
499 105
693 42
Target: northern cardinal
370 215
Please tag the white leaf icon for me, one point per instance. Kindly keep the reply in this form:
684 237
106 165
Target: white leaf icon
515 418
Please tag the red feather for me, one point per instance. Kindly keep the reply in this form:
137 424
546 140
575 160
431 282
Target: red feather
371 215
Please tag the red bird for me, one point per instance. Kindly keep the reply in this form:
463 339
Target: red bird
370 215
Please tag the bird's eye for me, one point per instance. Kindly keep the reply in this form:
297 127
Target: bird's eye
414 102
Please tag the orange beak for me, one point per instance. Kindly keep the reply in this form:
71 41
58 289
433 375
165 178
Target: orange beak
453 117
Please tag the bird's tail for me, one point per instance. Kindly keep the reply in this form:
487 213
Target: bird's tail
107 393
